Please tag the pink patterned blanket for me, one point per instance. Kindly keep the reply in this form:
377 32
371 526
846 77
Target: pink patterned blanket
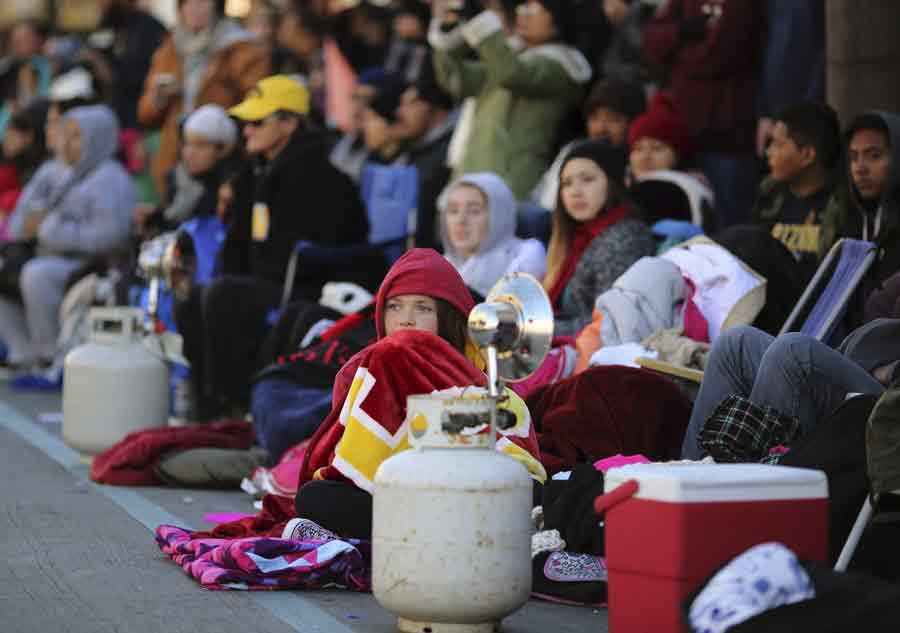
260 563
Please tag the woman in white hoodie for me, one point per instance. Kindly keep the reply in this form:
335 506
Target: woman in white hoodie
478 226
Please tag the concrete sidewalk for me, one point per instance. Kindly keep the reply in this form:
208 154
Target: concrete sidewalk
80 557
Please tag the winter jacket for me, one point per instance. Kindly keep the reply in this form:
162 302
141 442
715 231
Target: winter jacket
500 252
713 80
803 239
307 198
135 38
89 213
649 297
521 97
429 156
851 220
607 257
234 64
623 60
793 68
52 173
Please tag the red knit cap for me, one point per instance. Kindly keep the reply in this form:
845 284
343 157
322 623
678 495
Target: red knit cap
662 121
422 271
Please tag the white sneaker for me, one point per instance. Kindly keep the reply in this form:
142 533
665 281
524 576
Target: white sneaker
306 530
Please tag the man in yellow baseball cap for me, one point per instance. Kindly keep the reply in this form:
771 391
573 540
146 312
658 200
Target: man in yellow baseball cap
273 112
278 93
287 191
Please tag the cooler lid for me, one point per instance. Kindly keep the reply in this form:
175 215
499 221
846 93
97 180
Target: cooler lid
704 482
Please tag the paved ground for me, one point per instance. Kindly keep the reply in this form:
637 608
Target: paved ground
78 557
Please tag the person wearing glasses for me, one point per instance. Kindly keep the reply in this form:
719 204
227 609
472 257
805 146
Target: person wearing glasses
288 191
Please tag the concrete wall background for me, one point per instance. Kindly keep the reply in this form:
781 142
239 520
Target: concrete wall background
863 55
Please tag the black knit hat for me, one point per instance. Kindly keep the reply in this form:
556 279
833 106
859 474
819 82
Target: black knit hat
610 159
565 17
625 97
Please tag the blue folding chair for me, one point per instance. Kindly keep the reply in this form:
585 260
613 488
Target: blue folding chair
390 193
208 234
849 260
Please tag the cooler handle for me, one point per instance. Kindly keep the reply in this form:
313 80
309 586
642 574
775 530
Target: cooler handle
622 493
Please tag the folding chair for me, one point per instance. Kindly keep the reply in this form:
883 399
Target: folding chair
390 193
854 258
844 267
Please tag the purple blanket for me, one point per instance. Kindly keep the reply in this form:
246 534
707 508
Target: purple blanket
268 563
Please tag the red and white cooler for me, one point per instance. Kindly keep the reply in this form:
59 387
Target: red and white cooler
668 527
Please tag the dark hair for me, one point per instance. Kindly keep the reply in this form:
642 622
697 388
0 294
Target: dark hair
452 325
868 121
624 97
32 119
813 124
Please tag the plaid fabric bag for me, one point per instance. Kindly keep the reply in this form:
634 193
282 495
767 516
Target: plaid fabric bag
741 431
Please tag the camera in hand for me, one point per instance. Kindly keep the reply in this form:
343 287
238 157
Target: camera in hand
465 9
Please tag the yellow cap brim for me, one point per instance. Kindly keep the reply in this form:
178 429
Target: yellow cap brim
252 110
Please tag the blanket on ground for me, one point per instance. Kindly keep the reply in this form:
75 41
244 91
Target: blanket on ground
606 410
268 563
132 461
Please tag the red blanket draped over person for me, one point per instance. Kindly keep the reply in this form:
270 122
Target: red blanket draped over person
370 425
367 421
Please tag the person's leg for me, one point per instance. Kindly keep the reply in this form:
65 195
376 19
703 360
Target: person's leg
235 321
338 506
732 367
43 282
802 377
188 314
14 333
285 414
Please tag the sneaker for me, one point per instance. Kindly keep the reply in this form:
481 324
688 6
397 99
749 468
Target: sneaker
306 530
570 578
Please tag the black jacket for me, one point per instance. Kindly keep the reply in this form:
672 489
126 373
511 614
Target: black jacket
429 156
307 199
137 35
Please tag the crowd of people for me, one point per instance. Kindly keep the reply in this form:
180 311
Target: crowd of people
592 145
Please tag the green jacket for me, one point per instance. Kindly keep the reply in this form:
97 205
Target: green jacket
770 200
521 95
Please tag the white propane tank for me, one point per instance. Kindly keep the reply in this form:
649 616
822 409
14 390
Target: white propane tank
112 385
451 525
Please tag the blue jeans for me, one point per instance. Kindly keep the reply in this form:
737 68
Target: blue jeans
285 414
797 375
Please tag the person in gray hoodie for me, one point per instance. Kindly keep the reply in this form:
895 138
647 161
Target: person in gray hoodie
87 214
478 226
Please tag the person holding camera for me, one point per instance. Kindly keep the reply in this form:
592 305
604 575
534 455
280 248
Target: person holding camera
208 58
523 87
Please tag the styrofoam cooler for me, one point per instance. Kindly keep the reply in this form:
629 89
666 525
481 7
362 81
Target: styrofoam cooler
669 527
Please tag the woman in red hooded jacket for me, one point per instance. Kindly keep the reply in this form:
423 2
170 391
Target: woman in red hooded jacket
423 345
